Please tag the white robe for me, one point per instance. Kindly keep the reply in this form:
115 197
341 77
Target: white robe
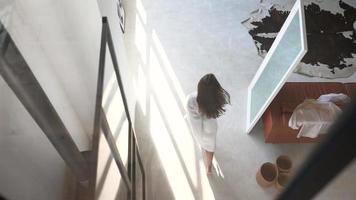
204 129
313 117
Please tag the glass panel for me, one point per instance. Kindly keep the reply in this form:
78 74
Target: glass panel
277 67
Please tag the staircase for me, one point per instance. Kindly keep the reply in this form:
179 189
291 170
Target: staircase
81 172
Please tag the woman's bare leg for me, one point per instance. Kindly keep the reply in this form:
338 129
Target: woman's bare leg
209 161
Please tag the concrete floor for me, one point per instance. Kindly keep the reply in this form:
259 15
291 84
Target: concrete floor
170 45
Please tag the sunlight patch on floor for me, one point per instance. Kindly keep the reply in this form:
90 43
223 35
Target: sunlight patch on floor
171 165
174 119
176 128
157 83
140 89
141 11
140 39
167 66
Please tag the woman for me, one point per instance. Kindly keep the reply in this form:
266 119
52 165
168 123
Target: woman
203 107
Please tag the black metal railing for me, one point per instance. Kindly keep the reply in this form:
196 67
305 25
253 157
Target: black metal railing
100 123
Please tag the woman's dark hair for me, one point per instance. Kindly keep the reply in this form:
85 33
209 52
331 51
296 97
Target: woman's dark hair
211 96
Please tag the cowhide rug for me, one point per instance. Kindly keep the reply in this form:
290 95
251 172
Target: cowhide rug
331 41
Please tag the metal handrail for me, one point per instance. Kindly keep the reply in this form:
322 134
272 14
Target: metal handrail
100 122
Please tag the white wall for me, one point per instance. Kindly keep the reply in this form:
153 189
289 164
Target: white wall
30 167
128 72
60 42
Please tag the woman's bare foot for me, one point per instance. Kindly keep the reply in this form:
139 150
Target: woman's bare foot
208 170
209 161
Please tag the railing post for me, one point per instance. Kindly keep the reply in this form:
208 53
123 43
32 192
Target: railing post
97 115
133 181
129 159
143 173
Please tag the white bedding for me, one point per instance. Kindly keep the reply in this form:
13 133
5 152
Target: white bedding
313 117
